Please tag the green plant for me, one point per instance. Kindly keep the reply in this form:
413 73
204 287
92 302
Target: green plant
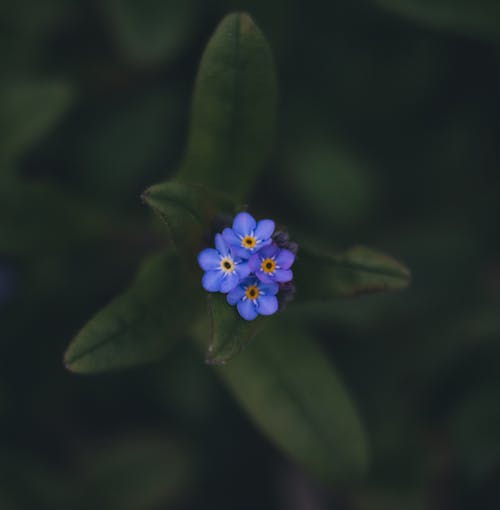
283 380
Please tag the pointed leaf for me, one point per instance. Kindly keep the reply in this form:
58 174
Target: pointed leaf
233 109
28 111
139 326
293 393
188 211
359 270
229 333
479 18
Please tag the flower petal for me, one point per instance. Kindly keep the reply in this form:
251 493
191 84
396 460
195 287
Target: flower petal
267 242
230 237
211 281
229 282
242 270
251 280
220 245
265 229
240 252
254 262
243 224
209 259
235 295
285 259
269 251
283 275
264 277
247 310
270 289
267 305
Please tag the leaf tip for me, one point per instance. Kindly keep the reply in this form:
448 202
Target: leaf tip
145 196
246 22
67 363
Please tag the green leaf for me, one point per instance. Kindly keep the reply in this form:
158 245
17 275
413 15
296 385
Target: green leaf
152 31
189 211
229 333
293 393
139 326
480 18
28 112
359 270
233 111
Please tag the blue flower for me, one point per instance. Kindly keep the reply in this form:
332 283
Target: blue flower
253 298
247 236
223 270
272 264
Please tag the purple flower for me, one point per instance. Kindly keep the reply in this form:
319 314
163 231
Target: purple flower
272 264
223 270
253 298
247 236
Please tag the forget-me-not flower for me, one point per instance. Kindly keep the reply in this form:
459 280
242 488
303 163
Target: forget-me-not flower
253 298
248 236
272 264
223 269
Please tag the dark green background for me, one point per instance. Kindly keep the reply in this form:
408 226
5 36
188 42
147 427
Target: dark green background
388 128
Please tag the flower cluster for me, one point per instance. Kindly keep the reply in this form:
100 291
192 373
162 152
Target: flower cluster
251 264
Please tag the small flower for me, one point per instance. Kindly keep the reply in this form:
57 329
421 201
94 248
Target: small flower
247 236
253 298
272 264
223 270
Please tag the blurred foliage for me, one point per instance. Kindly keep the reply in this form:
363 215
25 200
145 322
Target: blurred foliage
480 18
153 31
387 135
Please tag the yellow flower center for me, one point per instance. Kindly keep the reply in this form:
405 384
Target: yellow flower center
227 265
252 292
249 242
268 265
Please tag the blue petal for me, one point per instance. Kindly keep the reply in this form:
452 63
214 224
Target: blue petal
254 262
230 237
267 242
220 245
264 277
269 251
251 280
211 281
235 295
209 259
285 259
283 275
247 310
244 224
240 252
265 229
229 282
270 289
242 270
267 305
